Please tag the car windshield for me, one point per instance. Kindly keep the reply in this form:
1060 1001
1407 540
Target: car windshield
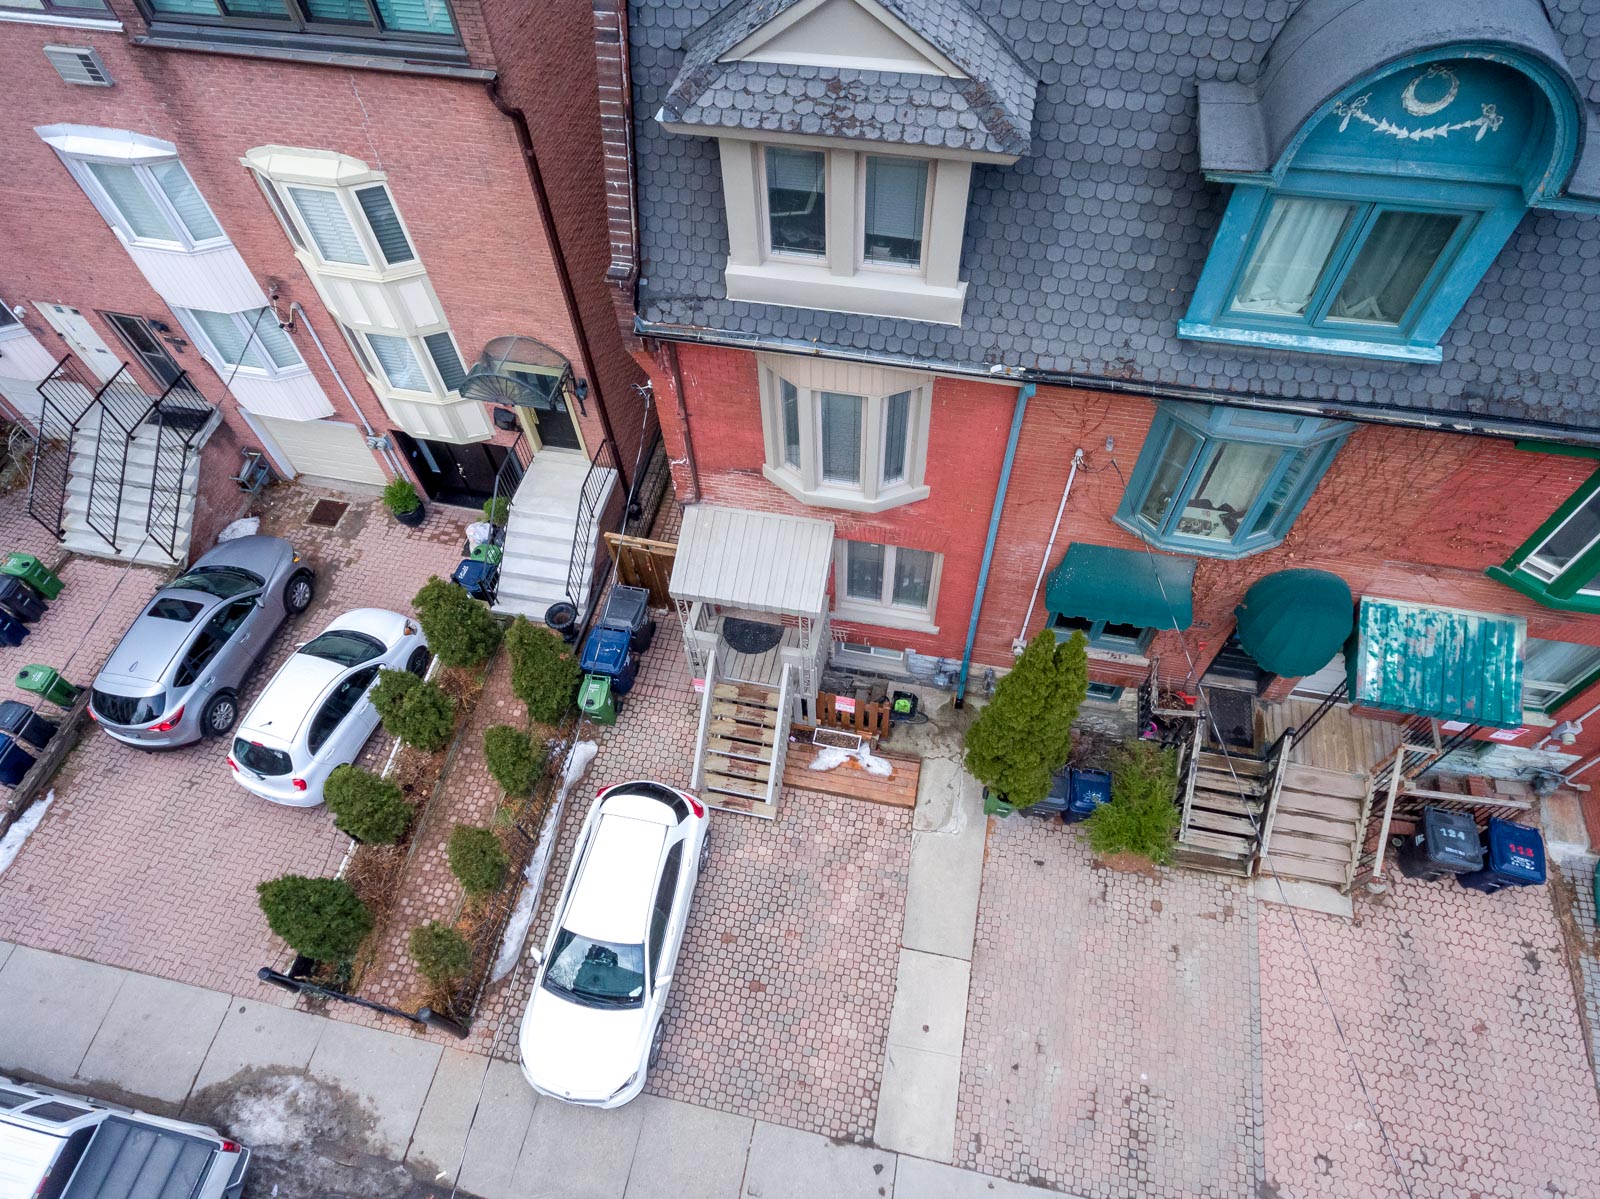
596 972
344 647
261 759
127 709
167 608
224 582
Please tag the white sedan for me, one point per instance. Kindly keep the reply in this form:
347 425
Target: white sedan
593 1026
315 714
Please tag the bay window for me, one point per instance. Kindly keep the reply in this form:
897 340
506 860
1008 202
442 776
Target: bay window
886 584
151 203
245 341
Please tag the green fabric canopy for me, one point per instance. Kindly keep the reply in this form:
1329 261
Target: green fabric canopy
1096 582
1293 622
1439 662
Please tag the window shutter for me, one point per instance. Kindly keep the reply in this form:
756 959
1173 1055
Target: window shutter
272 9
841 438
385 224
184 197
279 346
443 352
896 432
794 170
399 363
186 8
330 228
896 190
225 335
416 16
138 209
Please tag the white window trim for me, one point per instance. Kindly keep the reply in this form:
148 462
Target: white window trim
884 614
437 392
225 369
344 189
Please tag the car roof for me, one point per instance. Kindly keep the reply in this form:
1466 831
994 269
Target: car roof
25 1154
152 642
612 897
294 693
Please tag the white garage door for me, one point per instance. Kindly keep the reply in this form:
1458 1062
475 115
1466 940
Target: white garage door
325 448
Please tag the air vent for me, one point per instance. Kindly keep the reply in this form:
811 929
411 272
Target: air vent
79 64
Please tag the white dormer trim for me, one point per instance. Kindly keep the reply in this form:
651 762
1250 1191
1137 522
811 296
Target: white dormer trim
817 33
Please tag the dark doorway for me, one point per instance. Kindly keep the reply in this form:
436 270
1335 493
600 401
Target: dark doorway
453 474
556 429
140 337
1235 669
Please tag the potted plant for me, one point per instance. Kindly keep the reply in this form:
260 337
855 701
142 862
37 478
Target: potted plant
401 498
1024 736
497 511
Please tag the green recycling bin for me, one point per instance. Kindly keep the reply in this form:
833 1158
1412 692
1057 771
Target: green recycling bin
488 552
32 572
45 681
595 699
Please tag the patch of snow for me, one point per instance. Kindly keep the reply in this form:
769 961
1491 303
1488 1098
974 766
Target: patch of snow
11 843
829 757
245 526
872 764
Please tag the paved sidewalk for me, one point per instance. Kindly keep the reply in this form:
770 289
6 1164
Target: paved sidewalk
339 1110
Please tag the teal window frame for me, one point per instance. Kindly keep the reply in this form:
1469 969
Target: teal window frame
1104 693
1311 440
1564 592
1095 632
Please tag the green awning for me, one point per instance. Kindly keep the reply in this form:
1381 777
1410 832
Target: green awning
1096 582
1294 622
1439 662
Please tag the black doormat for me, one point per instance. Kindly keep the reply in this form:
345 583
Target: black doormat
751 636
1233 717
326 513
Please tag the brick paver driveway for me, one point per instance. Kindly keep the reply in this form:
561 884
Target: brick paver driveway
1111 1047
150 860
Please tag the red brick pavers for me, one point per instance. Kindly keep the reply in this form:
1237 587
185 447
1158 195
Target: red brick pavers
1111 1047
1459 1009
149 861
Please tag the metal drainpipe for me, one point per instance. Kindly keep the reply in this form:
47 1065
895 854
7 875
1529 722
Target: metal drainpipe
386 451
1024 394
1018 645
683 418
530 160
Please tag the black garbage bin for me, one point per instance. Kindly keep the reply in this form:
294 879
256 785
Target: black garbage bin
1514 856
629 608
1447 843
1054 803
26 724
14 761
20 600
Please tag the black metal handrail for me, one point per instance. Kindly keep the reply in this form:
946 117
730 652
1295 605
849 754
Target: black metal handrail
180 415
1329 702
602 507
512 469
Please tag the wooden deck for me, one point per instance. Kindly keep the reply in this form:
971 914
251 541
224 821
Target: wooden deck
850 781
1340 741
765 669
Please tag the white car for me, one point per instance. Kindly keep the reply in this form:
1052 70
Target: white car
593 1026
315 714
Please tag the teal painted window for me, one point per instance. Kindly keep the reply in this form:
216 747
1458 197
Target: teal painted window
1223 482
1560 564
1385 212
408 23
1104 693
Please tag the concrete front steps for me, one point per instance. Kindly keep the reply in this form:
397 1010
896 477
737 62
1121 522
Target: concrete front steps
540 531
133 544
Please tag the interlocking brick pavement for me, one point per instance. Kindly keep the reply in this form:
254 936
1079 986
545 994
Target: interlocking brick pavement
150 860
1111 1047
1460 1010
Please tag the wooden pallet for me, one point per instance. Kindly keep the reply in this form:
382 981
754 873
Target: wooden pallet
850 781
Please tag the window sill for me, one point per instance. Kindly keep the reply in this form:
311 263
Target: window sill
804 285
402 58
1114 657
61 21
884 618
843 500
1312 343
1176 545
356 273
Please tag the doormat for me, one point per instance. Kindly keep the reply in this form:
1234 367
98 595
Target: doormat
751 636
1233 715
326 513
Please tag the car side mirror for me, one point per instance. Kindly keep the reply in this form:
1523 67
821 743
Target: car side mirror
536 955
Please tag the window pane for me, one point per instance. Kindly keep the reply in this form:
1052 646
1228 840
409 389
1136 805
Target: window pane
385 225
913 577
1228 490
416 16
790 397
356 348
1571 538
342 12
1283 491
796 205
138 208
897 422
864 576
841 438
1552 668
443 352
399 363
279 346
897 189
330 228
1295 245
1168 474
257 8
270 190
227 337
186 8
184 196
1393 263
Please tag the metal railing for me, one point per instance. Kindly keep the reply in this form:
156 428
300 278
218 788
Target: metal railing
1277 764
67 395
602 508
697 778
1330 701
780 739
180 415
509 477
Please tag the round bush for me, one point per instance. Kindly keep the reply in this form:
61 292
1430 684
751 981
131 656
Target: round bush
544 671
322 918
497 510
418 713
365 806
513 759
460 630
441 954
400 497
477 859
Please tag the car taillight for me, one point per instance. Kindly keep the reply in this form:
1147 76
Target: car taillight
299 784
92 716
601 792
695 805
170 723
230 1146
232 763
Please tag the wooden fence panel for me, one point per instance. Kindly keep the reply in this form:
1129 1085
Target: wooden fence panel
644 563
855 715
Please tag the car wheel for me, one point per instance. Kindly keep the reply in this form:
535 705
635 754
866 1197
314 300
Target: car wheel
417 663
220 715
298 592
655 1041
705 847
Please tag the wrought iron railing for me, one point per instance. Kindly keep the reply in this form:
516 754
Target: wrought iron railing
602 508
1328 703
180 415
512 469
66 396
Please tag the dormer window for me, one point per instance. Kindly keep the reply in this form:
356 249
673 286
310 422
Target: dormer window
797 201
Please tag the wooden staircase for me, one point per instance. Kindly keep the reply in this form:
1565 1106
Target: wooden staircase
1225 805
1315 826
739 754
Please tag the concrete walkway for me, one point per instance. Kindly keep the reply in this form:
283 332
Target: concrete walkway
311 1094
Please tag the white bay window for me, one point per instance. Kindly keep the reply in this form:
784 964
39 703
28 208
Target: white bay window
888 585
242 341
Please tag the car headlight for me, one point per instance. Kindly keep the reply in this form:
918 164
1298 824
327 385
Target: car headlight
632 1078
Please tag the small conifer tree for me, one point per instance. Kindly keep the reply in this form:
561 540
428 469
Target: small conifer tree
1025 734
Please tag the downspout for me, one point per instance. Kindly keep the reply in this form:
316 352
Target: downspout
1021 642
1024 394
683 419
530 160
385 450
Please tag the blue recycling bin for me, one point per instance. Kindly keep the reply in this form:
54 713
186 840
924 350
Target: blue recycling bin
1089 789
12 630
14 761
1514 857
609 652
478 579
25 724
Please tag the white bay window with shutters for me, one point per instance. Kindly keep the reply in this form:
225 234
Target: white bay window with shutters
888 585
844 435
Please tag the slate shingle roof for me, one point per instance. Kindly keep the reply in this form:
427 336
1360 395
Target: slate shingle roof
1082 256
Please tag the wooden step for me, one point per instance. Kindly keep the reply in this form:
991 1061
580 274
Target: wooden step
745 751
751 696
1217 781
729 727
1196 859
1216 822
1333 783
1326 807
1215 801
727 710
1305 869
1298 845
1342 831
738 768
718 780
728 802
1242 766
1219 843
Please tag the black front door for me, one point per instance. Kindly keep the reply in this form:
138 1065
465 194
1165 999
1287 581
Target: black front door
453 474
556 430
146 346
1235 669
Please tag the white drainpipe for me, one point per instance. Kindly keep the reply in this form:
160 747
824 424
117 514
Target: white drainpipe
385 450
1021 642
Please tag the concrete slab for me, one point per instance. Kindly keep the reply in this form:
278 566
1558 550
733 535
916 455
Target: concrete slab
154 1037
918 1179
1565 835
50 1008
256 1035
5 951
946 796
930 1002
942 891
573 1152
441 1131
1313 897
917 1102
787 1163
688 1150
498 1133
390 1074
